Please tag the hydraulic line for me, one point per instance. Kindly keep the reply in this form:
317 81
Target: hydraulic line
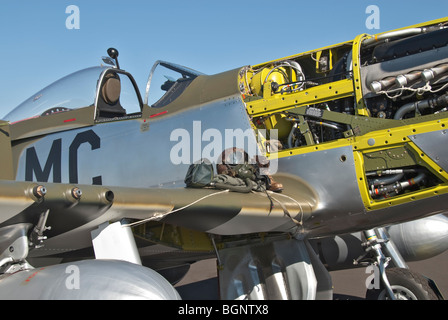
291 64
387 180
386 36
439 102
291 134
398 186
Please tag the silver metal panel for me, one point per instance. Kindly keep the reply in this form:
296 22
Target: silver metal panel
280 269
112 241
328 170
253 219
337 166
434 144
129 153
14 243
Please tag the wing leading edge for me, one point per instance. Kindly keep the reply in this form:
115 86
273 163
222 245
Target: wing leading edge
64 215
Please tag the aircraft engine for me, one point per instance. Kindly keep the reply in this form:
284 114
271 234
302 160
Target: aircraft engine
87 280
395 72
415 240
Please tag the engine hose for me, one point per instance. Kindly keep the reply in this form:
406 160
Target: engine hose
387 180
290 64
386 36
398 186
413 181
441 101
291 134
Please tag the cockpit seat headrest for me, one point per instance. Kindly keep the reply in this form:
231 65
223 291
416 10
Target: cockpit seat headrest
111 90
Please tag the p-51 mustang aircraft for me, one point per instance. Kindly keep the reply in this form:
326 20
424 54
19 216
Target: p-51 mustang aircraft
306 151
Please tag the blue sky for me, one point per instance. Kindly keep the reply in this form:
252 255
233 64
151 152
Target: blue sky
207 35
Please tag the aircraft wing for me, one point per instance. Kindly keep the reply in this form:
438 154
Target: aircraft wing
73 212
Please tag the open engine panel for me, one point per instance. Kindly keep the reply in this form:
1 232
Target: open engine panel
374 93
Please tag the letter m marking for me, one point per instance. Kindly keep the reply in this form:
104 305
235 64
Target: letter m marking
33 166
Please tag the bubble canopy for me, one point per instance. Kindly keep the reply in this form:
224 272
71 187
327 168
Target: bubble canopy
74 91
